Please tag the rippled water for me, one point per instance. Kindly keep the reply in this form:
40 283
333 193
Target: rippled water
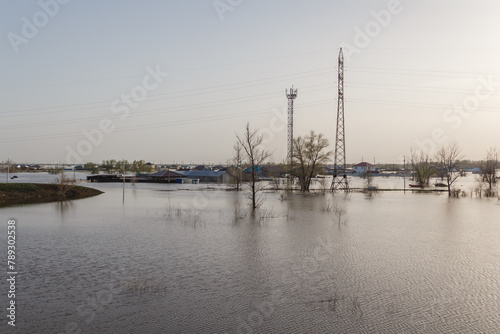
187 259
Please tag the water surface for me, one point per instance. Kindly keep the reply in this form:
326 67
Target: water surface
191 259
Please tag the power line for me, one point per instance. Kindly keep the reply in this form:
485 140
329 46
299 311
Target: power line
70 83
163 110
422 73
414 89
106 103
238 100
211 89
351 68
419 105
156 124
170 72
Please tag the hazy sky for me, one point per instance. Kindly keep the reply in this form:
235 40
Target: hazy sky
173 81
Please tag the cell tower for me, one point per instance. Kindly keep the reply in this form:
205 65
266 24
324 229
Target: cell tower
339 181
291 95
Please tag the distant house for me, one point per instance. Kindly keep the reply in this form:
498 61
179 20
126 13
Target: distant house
206 175
476 170
201 168
330 170
258 170
165 176
151 165
364 167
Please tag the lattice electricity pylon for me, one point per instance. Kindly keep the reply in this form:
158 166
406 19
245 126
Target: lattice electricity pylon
291 95
339 181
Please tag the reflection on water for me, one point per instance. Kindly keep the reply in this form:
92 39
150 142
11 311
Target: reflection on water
197 260
63 207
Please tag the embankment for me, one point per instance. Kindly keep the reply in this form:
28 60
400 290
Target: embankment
24 193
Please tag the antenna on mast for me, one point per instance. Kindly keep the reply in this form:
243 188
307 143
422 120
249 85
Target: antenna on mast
291 95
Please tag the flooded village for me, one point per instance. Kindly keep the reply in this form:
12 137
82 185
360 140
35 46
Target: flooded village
246 167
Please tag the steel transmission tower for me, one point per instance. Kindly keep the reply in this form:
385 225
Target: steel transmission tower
291 95
339 181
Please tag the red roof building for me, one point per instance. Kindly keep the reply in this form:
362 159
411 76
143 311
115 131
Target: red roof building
364 167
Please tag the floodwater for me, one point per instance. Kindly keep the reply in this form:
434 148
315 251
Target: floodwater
161 258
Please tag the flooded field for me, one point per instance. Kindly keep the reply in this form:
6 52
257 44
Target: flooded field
161 258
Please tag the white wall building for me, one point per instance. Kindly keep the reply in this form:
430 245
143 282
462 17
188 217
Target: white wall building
364 167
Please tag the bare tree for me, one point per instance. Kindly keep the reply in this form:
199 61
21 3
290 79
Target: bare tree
64 185
448 158
339 212
255 156
489 167
368 176
422 167
235 169
310 157
370 189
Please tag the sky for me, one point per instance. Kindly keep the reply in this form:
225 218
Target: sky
176 81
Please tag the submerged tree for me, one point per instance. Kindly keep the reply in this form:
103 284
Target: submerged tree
254 157
91 167
310 156
64 185
422 167
447 158
236 165
108 165
489 168
137 166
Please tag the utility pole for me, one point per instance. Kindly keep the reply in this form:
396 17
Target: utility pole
8 167
339 181
404 174
123 176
